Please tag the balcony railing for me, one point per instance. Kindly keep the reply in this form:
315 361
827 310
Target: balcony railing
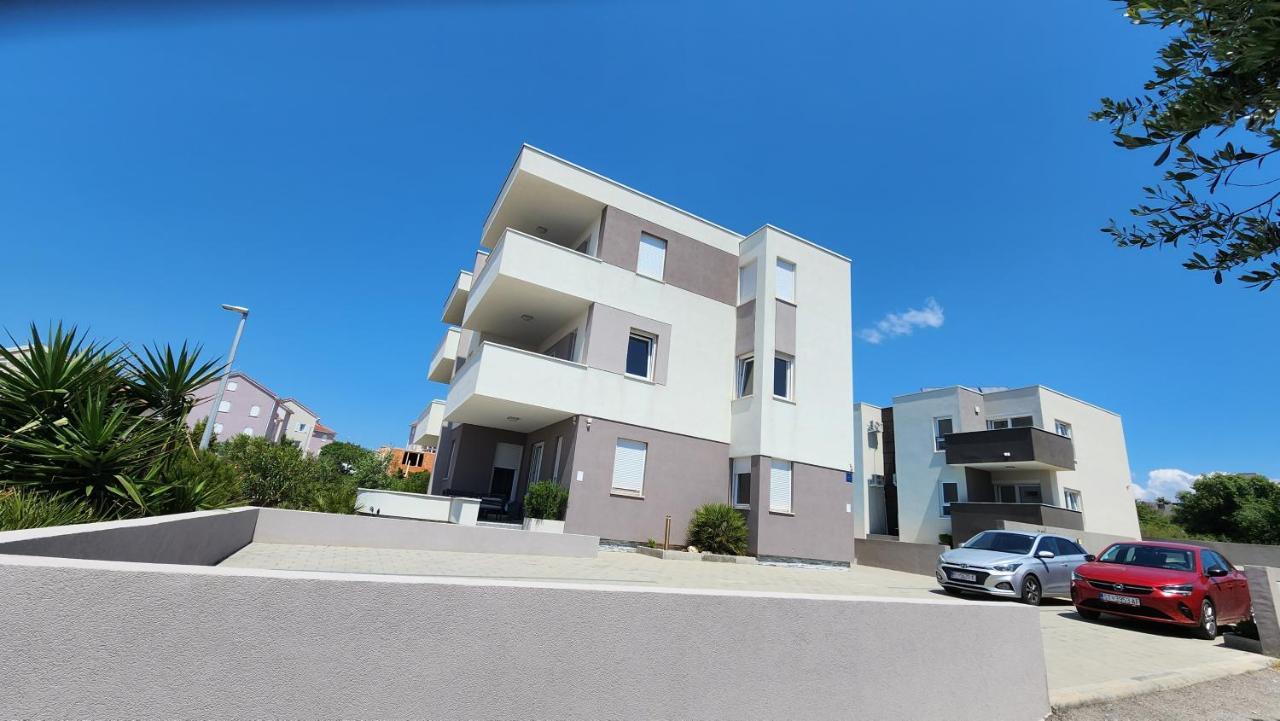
1011 448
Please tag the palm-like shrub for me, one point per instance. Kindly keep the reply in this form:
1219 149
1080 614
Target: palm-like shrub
718 528
546 500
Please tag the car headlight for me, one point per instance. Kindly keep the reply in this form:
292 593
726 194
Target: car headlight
1075 576
1006 567
1181 589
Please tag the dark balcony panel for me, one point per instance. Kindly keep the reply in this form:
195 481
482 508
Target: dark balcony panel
1011 448
970 519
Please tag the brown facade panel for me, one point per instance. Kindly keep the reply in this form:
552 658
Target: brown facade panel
691 264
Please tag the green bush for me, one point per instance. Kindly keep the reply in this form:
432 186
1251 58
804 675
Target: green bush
718 528
546 500
946 540
418 482
31 509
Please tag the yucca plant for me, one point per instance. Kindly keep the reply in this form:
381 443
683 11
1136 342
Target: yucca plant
718 528
32 509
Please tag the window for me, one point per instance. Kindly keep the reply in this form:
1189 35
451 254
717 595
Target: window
653 256
224 407
1062 428
640 356
1001 541
779 486
950 494
996 424
628 466
1211 559
555 464
232 385
746 367
302 427
248 430
747 282
783 370
740 483
217 427
412 459
941 427
786 282
1132 554
254 412
535 462
1073 500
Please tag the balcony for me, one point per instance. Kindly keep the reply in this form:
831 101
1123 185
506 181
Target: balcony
457 301
970 519
518 390
426 430
1011 449
441 368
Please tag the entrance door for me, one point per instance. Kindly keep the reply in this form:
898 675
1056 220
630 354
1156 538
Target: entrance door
506 464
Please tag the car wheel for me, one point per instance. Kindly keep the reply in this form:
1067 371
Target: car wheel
1031 591
1208 628
1088 615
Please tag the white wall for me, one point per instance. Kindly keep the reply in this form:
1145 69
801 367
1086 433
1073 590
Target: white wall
920 469
868 503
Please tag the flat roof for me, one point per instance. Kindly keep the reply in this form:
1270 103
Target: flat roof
1035 386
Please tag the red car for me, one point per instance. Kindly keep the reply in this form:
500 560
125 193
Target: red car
1165 582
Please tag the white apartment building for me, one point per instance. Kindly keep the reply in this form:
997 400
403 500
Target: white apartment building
650 361
957 460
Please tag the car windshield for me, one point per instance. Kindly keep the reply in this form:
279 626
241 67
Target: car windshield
1132 554
1002 542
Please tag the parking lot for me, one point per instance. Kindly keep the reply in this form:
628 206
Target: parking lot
1087 661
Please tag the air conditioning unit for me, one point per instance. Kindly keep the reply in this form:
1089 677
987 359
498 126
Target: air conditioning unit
876 481
874 427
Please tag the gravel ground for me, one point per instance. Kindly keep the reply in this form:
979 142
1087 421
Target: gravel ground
1247 697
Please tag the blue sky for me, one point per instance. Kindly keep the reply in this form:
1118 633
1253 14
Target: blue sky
330 166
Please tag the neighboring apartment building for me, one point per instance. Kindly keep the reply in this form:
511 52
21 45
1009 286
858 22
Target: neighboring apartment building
250 408
304 427
956 460
414 459
650 361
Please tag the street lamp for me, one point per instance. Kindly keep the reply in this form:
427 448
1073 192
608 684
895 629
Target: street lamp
226 374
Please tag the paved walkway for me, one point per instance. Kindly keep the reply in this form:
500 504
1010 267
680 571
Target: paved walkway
1087 662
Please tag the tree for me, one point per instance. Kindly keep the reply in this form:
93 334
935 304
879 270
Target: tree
1219 76
1241 507
341 452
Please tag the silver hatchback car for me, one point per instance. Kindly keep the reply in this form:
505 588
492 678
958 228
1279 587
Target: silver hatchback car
1012 564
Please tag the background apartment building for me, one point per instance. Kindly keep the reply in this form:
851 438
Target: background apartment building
650 361
958 460
250 408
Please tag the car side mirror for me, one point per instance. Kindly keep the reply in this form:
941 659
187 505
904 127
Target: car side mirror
1216 572
1044 554
1090 558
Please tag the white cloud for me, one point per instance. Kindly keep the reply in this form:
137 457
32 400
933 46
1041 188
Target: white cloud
904 323
1164 483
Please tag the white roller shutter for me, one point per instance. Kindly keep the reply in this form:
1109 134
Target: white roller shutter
628 466
653 256
780 486
786 281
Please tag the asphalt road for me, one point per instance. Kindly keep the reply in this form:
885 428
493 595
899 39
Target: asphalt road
1246 697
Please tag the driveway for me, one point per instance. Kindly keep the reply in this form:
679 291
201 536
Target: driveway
1087 661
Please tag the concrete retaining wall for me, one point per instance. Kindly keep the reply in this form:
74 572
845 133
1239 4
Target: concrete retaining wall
327 529
203 538
1264 590
116 640
1240 554
1092 542
921 558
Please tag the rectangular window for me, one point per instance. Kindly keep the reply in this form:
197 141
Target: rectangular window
255 411
248 430
950 494
640 356
786 281
746 368
783 371
302 427
941 427
555 464
224 407
999 424
217 427
653 256
747 282
740 483
628 466
780 486
1062 428
232 385
535 462
1074 501
1007 494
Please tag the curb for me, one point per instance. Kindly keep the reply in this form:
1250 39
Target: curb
1072 696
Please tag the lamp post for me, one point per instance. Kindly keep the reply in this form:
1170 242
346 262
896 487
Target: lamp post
226 374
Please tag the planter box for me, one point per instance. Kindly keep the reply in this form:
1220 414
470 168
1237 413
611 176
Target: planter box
722 558
418 506
668 555
543 525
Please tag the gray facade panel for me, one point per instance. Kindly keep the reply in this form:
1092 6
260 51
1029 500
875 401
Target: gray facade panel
820 525
918 558
607 332
681 473
784 333
745 331
691 264
564 430
473 470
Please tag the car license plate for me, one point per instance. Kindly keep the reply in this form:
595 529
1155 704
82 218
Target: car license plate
1124 600
962 576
